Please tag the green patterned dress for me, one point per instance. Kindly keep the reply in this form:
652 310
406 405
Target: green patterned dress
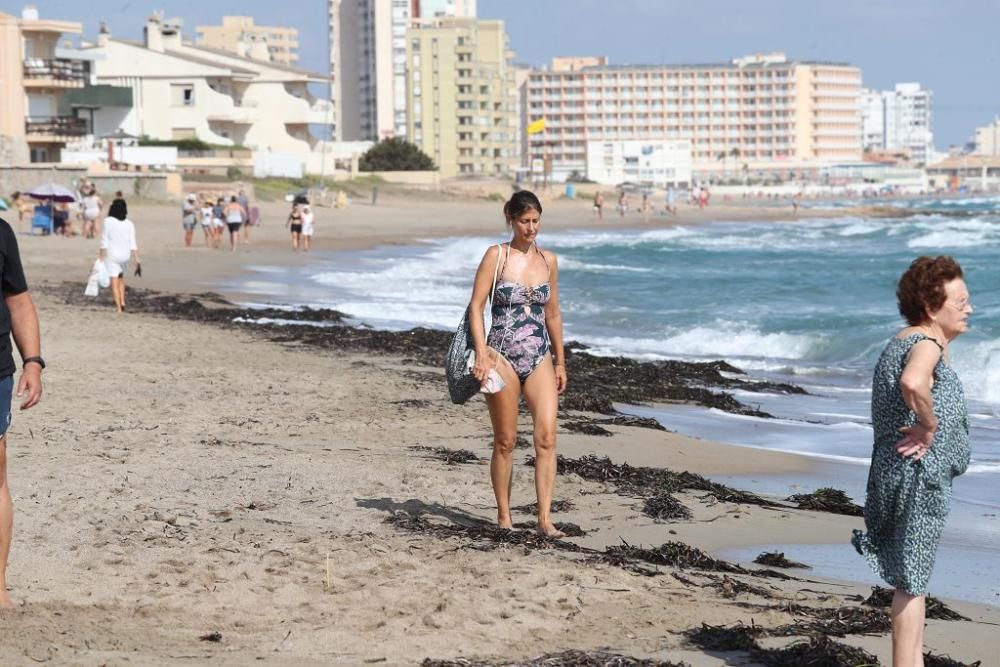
908 500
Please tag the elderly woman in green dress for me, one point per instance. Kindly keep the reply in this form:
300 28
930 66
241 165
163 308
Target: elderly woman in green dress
921 430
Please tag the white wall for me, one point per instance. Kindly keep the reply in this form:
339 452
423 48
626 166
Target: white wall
640 161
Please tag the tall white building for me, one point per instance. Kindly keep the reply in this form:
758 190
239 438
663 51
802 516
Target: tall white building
368 62
901 118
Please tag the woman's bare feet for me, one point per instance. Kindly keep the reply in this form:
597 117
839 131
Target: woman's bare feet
549 530
5 601
505 522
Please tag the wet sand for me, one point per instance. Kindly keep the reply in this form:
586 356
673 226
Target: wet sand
183 478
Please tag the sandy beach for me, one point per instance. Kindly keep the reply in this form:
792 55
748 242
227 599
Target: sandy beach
190 493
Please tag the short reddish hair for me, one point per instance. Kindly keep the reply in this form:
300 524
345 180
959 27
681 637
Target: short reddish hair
921 289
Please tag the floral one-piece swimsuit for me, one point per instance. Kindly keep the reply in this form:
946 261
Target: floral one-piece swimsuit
518 331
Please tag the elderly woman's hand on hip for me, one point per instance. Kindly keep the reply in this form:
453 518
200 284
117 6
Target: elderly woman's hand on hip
916 441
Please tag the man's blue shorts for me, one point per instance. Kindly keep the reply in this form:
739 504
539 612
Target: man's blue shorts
6 391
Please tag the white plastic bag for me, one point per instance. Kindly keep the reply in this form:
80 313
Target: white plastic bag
93 278
103 277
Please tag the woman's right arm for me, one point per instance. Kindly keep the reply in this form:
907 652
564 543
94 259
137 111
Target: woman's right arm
480 293
915 384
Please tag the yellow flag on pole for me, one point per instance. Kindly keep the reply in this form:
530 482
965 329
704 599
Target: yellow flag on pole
536 126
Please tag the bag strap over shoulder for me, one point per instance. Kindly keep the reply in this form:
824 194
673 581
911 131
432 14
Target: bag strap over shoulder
496 271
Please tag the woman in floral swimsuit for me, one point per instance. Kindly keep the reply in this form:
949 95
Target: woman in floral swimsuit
525 347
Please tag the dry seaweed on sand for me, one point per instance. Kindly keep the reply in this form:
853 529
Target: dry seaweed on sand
675 554
934 660
587 427
777 559
563 659
881 598
568 529
730 588
642 481
449 456
598 382
817 651
837 622
664 507
827 499
557 507
737 637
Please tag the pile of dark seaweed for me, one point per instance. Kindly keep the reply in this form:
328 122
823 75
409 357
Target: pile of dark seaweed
597 382
563 659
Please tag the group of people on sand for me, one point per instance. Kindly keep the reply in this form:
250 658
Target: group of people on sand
919 415
301 223
215 214
87 210
646 208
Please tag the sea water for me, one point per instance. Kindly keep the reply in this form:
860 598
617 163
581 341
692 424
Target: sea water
810 302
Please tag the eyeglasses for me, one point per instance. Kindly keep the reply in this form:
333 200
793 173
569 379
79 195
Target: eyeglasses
961 305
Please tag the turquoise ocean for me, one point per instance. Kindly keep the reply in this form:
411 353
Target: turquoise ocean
810 302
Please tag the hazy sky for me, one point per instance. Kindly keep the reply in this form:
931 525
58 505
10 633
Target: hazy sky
949 46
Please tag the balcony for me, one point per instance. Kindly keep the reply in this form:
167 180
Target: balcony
54 73
55 128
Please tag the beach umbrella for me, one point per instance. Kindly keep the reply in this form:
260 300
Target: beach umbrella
51 192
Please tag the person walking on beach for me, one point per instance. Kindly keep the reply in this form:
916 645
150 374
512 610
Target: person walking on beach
92 206
921 433
248 220
205 217
294 222
234 220
118 246
522 354
671 201
308 218
218 221
622 204
18 317
599 206
189 218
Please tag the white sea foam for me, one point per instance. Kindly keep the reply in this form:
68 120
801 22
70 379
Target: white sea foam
983 468
570 264
726 339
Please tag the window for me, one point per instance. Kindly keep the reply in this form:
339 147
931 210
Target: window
181 94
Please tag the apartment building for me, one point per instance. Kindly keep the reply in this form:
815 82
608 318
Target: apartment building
36 73
760 113
986 139
239 34
899 119
368 61
184 91
463 96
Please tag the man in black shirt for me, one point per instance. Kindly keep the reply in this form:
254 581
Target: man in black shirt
17 317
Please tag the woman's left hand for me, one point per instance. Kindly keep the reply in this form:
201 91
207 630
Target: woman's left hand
916 441
560 379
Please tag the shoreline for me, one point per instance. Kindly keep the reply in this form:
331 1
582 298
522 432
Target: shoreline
203 498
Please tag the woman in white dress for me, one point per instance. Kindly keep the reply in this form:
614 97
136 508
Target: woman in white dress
118 246
92 206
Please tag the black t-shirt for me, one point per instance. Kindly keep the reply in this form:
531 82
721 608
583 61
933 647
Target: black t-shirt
11 282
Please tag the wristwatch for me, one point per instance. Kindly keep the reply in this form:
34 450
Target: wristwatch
37 360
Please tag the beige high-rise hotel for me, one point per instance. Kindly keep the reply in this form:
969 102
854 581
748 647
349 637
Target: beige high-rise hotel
462 96
239 35
759 113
